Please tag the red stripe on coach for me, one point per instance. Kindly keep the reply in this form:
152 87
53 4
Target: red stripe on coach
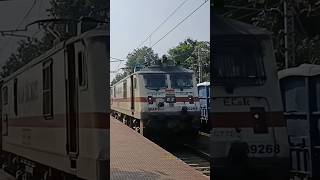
244 119
145 99
86 120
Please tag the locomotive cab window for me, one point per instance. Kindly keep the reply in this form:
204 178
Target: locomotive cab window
239 61
155 81
5 95
47 90
181 80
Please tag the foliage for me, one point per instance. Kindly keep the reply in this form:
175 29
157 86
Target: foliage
269 15
30 49
187 54
76 9
27 50
140 56
118 77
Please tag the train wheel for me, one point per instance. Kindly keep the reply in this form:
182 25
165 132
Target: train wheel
19 175
26 176
136 125
124 121
131 122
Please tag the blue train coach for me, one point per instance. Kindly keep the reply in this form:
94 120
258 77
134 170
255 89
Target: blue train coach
204 99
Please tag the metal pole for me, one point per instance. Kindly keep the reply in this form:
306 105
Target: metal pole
285 32
199 65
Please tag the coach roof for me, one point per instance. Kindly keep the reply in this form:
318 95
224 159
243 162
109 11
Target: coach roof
101 31
98 31
204 84
164 69
302 70
224 26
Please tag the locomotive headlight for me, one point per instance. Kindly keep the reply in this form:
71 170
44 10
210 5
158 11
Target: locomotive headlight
256 116
150 100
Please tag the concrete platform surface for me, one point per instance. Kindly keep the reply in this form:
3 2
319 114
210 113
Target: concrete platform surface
134 157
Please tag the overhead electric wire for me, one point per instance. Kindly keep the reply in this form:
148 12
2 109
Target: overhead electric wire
179 23
163 22
27 14
118 59
172 28
22 20
158 27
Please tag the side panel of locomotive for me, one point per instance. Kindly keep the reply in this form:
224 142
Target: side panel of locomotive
33 130
121 100
55 109
93 153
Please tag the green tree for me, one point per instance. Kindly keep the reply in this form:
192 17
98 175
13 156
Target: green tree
140 56
27 50
268 14
75 9
188 53
118 77
30 49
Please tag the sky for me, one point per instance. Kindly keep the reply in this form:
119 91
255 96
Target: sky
12 14
132 22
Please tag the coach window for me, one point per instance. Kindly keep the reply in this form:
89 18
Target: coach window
47 90
81 69
5 95
293 94
15 103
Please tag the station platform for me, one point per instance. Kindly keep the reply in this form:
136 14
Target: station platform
134 157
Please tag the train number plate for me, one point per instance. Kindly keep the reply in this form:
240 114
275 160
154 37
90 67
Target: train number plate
264 148
170 99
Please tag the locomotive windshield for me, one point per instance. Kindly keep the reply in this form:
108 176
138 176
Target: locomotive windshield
155 81
181 80
240 62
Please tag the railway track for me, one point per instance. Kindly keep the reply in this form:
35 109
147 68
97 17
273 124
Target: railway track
190 154
187 153
194 159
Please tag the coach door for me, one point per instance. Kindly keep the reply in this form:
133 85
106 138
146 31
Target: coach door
72 105
132 88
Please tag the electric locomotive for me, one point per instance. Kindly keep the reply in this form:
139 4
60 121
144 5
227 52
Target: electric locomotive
158 100
54 111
